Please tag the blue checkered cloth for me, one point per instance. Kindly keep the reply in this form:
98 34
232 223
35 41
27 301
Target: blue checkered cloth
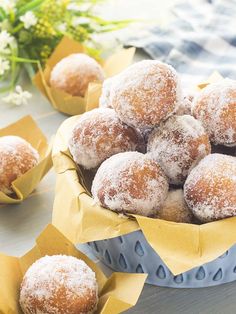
200 40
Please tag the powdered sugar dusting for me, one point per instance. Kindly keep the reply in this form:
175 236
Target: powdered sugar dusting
17 156
104 100
216 108
59 284
73 74
178 144
185 105
131 182
210 189
146 93
100 134
175 208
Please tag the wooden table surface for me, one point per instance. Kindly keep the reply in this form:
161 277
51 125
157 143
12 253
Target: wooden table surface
20 224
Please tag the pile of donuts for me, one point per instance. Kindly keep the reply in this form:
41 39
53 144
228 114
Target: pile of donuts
156 152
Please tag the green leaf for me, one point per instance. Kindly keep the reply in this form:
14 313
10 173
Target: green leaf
28 66
32 5
3 15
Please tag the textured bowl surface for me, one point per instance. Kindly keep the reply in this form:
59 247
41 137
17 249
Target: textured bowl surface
132 253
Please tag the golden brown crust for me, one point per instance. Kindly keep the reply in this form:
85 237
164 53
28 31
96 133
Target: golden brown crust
74 73
215 107
16 158
146 93
130 182
59 284
178 144
100 134
175 208
210 189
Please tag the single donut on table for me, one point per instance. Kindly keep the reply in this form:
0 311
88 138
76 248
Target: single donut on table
59 284
178 144
215 107
146 93
73 74
175 208
131 183
17 157
210 189
99 134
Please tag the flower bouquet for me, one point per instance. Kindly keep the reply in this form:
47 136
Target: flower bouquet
30 31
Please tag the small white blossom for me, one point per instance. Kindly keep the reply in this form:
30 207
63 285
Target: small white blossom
62 27
80 20
4 65
5 40
18 98
73 7
8 5
79 8
29 19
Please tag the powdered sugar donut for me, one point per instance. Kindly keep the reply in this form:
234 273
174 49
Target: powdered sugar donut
100 134
178 144
73 74
59 284
210 189
104 100
130 182
215 107
17 157
175 208
146 93
185 105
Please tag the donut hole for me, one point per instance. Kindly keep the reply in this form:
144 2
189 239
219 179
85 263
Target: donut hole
17 157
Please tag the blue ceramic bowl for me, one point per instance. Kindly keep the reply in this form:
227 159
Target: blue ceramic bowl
132 253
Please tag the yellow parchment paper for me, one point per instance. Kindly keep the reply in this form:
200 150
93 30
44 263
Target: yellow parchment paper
213 78
24 185
74 105
116 294
181 246
74 211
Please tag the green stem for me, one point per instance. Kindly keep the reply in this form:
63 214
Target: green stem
17 28
22 60
15 74
32 5
3 15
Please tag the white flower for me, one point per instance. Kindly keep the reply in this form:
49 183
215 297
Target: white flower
18 98
29 19
80 20
4 65
78 7
8 5
73 7
5 40
62 27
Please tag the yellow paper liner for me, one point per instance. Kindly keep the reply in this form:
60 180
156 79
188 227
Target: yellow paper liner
74 105
213 78
116 294
75 213
24 185
181 246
